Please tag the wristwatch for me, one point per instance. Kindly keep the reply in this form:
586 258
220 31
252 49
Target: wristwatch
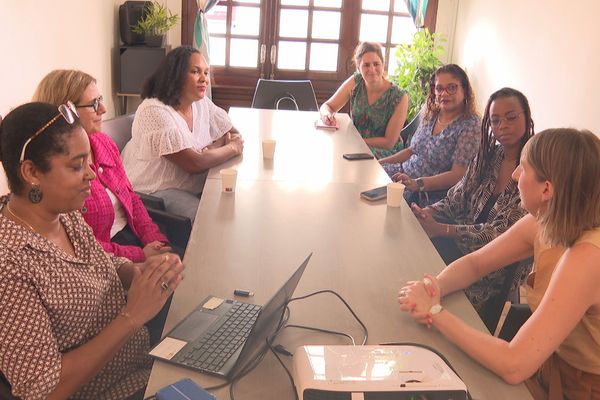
435 309
421 184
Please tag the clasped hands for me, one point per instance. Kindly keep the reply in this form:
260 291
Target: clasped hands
417 298
153 282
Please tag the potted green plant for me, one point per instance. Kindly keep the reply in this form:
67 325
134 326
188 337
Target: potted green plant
155 23
416 62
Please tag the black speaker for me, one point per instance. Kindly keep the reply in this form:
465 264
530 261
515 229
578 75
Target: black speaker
136 63
130 13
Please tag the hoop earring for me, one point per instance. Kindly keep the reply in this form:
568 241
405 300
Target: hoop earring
35 194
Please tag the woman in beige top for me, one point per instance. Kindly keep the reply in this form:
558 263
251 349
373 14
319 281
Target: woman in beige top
67 330
558 180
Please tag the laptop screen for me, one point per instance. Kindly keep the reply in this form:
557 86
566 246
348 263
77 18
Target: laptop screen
267 322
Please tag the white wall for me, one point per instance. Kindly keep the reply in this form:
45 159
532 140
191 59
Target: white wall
37 37
548 49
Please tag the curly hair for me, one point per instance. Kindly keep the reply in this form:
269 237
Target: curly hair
470 108
18 126
488 142
166 83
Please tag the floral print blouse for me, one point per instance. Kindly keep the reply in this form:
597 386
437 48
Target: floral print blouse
458 143
371 119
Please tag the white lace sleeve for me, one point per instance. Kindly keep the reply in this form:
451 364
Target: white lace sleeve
220 123
158 132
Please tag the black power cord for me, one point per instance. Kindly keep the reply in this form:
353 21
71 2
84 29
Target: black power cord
279 349
282 324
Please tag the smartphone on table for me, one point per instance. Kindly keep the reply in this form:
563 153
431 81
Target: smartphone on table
358 156
375 194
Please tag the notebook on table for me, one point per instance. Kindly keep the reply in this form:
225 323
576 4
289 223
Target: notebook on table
223 337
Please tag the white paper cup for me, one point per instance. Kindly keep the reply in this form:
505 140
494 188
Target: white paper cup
268 148
395 194
228 178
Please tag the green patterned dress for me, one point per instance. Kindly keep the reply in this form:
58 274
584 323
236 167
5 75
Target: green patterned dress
371 120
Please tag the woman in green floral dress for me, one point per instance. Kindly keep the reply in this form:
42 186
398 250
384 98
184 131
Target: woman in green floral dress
378 107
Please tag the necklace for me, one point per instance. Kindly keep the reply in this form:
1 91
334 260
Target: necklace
18 218
444 123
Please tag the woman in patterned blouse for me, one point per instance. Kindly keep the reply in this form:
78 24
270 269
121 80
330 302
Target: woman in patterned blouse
378 107
486 202
68 330
445 142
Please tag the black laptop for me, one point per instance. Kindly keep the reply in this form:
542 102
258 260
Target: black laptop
223 337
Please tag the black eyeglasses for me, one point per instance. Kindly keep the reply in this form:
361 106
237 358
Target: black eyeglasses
510 118
68 111
451 88
95 104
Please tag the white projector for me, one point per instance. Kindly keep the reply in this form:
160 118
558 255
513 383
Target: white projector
374 373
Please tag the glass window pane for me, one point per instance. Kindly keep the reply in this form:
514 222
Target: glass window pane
403 30
217 19
323 57
294 2
379 5
326 25
393 64
245 20
373 28
253 1
293 23
329 3
217 50
400 6
243 53
292 55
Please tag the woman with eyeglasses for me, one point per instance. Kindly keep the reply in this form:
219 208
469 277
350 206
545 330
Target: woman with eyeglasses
560 343
178 133
377 106
114 211
68 330
486 201
445 142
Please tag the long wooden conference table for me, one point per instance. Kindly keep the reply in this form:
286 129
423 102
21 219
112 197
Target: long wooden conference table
307 200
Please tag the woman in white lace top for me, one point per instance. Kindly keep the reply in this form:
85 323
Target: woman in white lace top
178 133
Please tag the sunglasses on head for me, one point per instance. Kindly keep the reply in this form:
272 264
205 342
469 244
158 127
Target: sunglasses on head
95 104
68 111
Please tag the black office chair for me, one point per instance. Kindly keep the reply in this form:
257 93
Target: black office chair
285 95
5 389
409 130
175 227
119 129
492 309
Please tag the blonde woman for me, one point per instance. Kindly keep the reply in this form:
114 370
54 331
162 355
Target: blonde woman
114 211
560 343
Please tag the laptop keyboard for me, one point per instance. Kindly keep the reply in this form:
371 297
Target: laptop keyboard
213 350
